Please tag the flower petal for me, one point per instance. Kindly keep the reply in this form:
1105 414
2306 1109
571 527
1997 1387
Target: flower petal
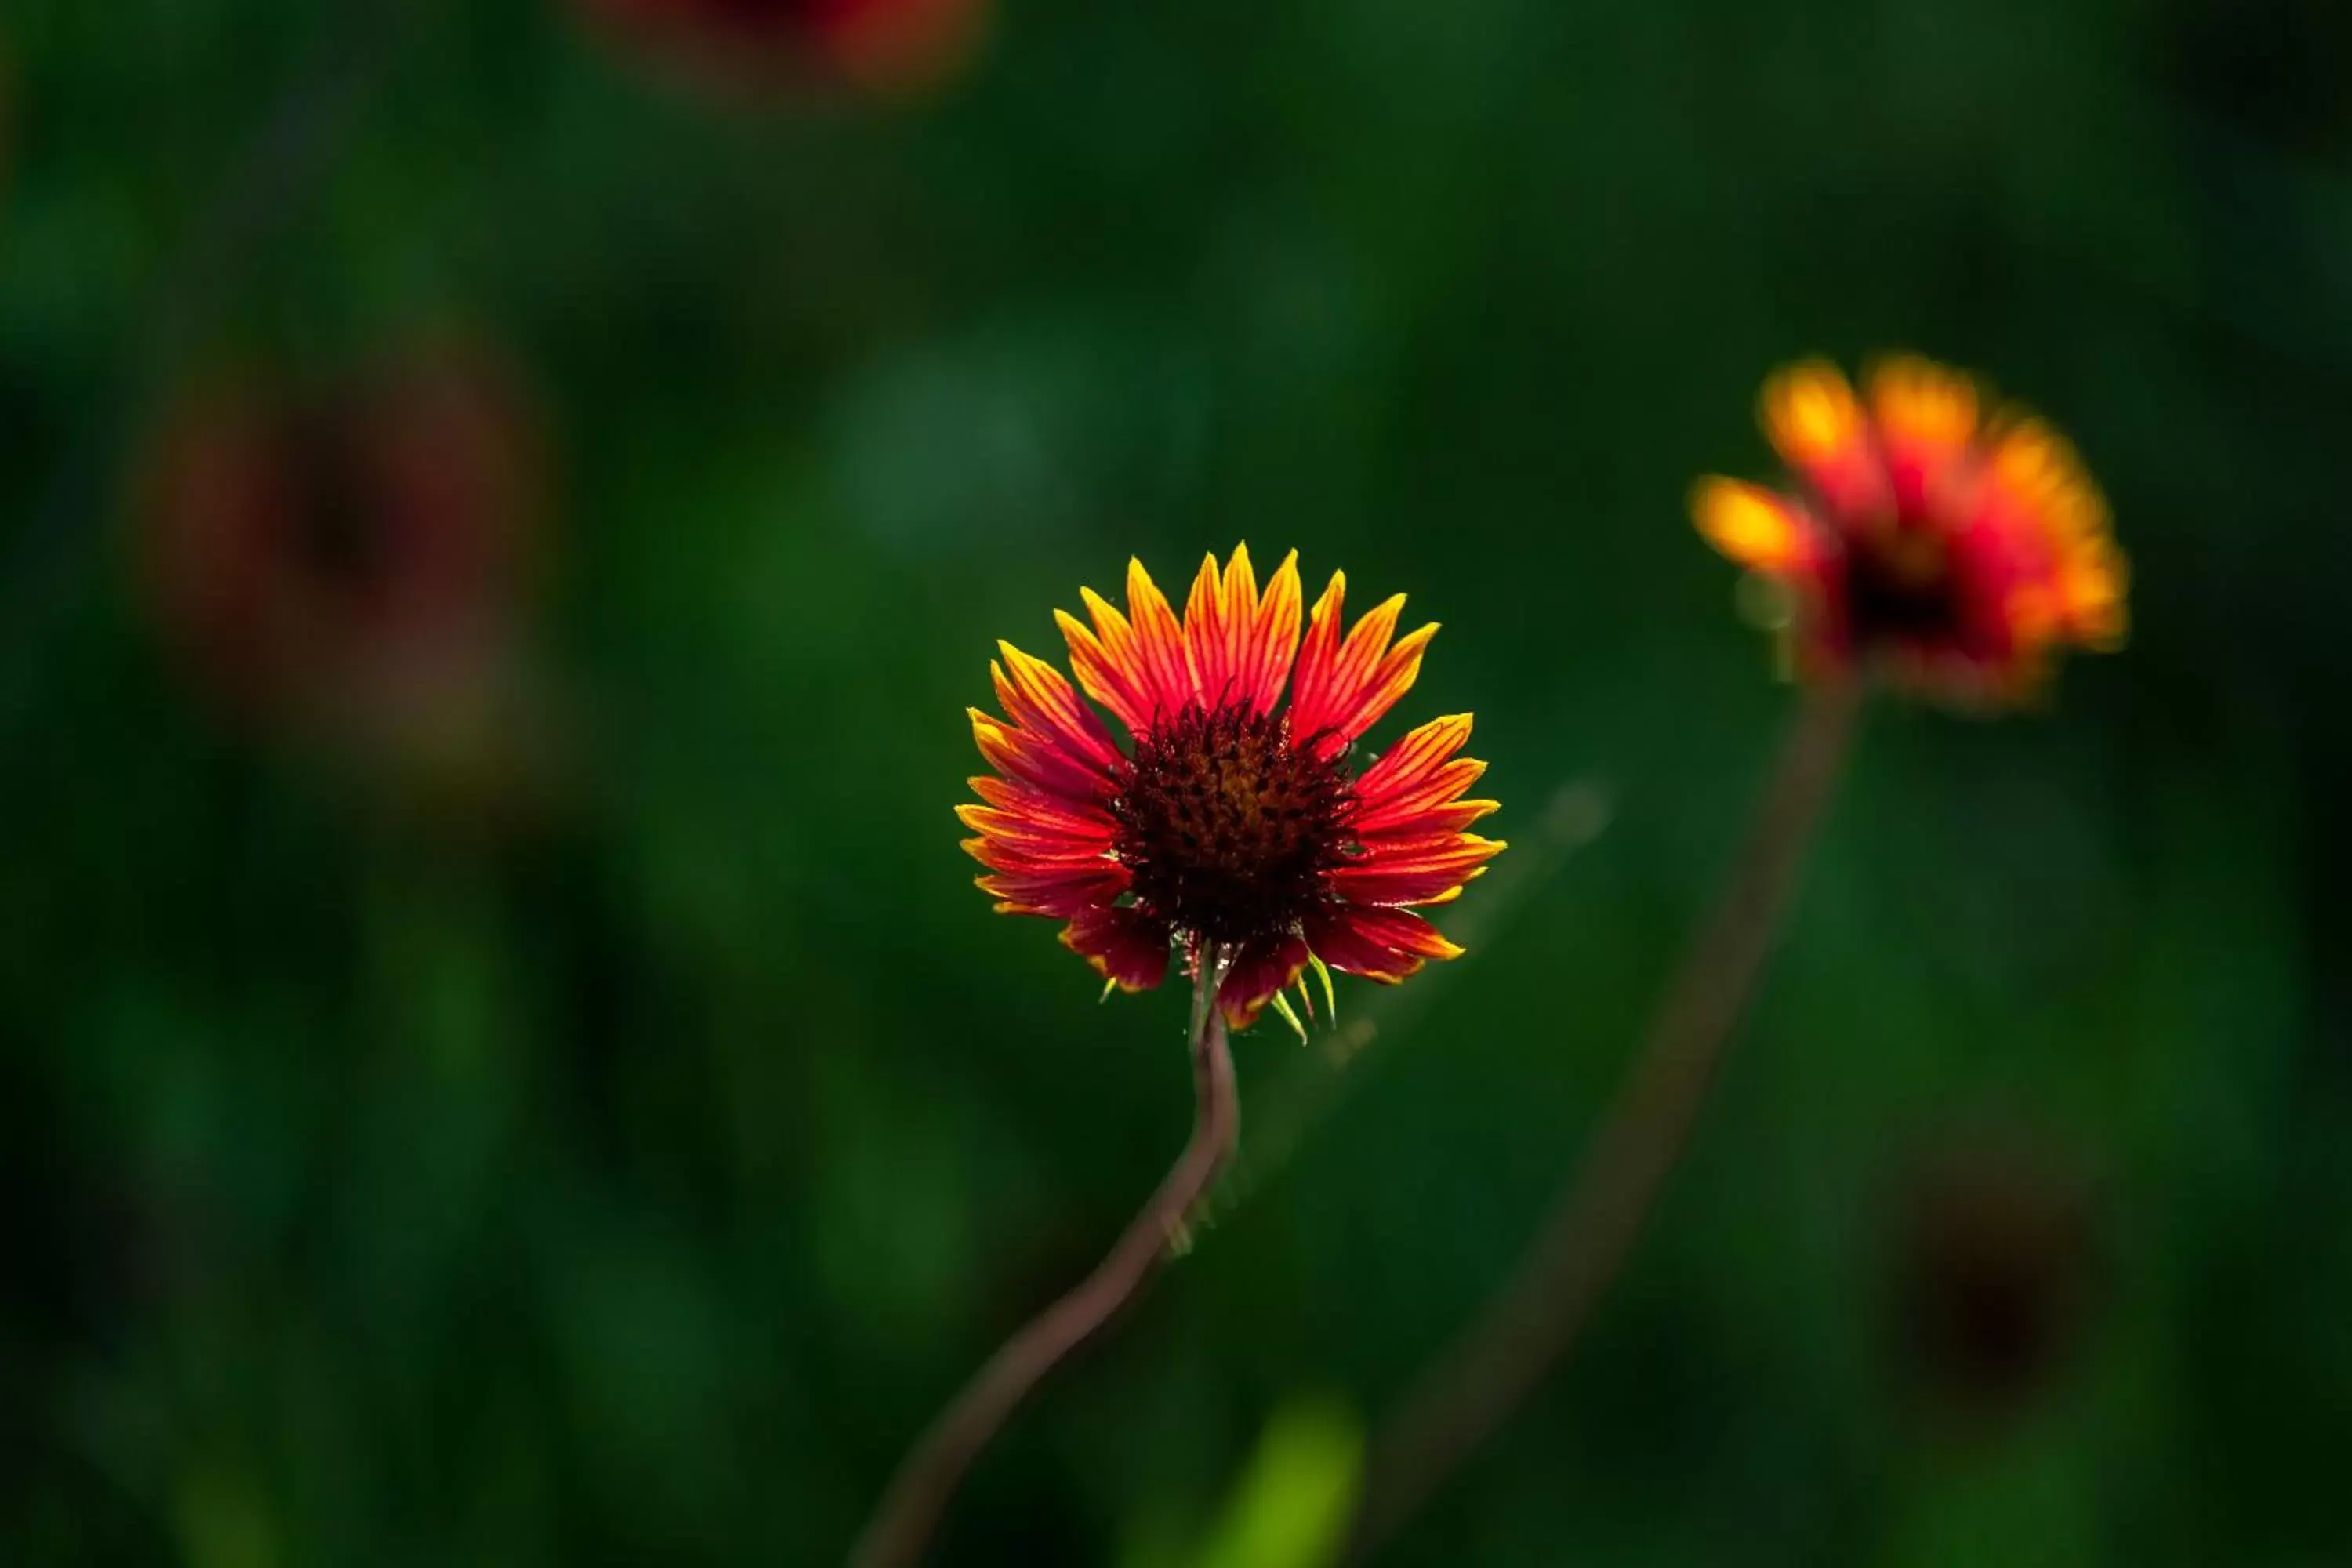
1401 931
1048 860
1258 974
1418 753
1809 413
1311 676
1125 946
2036 472
1038 761
1405 809
1415 776
2091 595
1036 697
1274 639
1031 835
1160 656
1327 691
1390 678
1416 871
1341 688
1759 529
1338 942
1104 659
1061 894
1449 817
1048 813
1385 945
1926 419
1216 614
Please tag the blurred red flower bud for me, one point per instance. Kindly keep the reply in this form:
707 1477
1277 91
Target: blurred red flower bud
354 561
1994 1268
879 46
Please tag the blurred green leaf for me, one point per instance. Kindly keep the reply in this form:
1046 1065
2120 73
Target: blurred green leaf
1292 1506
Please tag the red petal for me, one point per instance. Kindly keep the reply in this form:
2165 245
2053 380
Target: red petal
1036 697
1925 417
1450 817
1419 871
1258 974
1311 676
1055 860
1420 752
1104 660
1044 813
1385 945
1401 931
1060 893
1159 659
1331 674
1810 413
1409 805
1123 946
1389 680
1215 615
1038 761
1273 640
1401 783
1341 688
1339 941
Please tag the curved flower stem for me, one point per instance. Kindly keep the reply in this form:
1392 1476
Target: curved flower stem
1534 1322
927 1478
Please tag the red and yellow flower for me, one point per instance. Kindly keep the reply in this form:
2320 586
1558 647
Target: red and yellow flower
1957 549
1230 829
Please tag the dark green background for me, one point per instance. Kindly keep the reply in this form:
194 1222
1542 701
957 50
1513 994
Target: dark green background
631 1189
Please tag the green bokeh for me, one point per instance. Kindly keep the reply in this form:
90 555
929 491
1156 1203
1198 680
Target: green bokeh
629 1187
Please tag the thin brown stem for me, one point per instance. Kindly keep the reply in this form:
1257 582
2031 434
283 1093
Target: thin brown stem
903 1521
1532 1324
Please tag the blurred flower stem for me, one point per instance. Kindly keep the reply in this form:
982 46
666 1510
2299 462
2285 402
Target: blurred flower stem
1533 1324
903 1522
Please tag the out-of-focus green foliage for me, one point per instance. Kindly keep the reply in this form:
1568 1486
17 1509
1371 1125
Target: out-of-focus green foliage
405 1167
1291 1507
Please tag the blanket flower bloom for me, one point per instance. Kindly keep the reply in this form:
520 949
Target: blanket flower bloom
1956 549
1230 829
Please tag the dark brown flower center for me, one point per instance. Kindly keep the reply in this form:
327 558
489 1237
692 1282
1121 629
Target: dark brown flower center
1228 829
1901 590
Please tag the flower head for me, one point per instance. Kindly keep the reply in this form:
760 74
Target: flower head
1956 548
1232 827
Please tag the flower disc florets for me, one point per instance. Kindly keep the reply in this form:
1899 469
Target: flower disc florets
1227 829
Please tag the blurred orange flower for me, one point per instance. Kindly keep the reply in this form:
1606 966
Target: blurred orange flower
1956 548
1232 828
